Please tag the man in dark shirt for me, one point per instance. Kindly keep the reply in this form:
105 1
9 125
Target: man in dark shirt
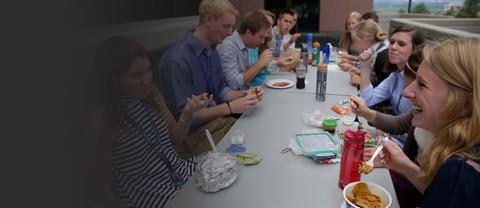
192 66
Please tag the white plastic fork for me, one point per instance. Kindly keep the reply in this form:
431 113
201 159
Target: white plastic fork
377 151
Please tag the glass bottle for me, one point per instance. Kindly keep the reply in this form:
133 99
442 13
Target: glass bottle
352 156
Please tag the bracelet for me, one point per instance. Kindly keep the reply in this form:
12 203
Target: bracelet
229 108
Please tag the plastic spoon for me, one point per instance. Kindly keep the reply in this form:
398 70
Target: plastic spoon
210 140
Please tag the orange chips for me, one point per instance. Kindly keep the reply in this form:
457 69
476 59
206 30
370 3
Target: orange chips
362 197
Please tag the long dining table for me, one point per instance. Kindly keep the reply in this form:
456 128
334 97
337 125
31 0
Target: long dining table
282 180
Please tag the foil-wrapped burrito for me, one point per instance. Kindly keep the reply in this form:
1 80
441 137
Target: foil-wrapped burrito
215 171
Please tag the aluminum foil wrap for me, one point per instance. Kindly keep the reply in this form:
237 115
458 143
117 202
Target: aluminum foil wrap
215 171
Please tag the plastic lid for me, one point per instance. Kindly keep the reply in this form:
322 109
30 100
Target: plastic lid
234 148
329 123
317 143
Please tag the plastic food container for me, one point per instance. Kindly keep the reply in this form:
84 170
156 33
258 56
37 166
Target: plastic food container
329 125
317 143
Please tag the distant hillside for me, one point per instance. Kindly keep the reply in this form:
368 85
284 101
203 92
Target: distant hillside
395 5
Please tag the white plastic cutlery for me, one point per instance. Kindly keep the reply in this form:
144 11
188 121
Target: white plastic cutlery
377 151
210 140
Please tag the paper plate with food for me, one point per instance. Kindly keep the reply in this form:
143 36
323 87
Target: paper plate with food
279 83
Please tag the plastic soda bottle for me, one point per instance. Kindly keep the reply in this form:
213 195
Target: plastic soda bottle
316 53
309 47
326 53
300 73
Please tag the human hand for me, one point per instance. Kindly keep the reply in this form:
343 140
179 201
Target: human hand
362 109
294 37
354 77
195 103
258 91
264 58
366 57
344 55
394 158
345 65
368 153
244 104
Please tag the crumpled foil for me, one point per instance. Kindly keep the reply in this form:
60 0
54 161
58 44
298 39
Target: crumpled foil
215 171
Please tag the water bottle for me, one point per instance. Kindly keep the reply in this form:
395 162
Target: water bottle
309 47
352 156
331 52
300 73
326 53
316 53
321 88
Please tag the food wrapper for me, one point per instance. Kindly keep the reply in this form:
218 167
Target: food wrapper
316 118
215 171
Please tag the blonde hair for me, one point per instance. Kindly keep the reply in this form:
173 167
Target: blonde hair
216 8
346 39
458 132
370 30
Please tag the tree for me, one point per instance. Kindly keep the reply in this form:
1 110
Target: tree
421 9
451 12
470 9
402 11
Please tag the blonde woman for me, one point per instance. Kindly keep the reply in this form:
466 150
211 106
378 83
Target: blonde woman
445 96
371 36
348 42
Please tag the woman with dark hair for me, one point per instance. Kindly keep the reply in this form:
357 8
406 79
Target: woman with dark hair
138 127
402 42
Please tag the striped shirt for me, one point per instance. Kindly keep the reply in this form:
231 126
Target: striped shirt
141 178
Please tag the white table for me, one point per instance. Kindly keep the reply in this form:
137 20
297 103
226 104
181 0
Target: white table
280 180
338 81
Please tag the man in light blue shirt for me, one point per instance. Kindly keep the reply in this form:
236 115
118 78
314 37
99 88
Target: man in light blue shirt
234 51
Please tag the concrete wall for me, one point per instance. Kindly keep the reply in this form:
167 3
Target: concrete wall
442 28
385 17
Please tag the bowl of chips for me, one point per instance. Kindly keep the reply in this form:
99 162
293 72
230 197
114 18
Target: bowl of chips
367 195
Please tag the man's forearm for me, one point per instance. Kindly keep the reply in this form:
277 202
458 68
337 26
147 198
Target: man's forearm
208 114
232 95
251 72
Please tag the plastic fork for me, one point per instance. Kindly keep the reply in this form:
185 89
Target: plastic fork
377 151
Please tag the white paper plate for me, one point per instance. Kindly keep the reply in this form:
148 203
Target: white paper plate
271 83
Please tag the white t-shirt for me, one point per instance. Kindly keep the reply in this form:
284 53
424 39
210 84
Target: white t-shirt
285 40
423 138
